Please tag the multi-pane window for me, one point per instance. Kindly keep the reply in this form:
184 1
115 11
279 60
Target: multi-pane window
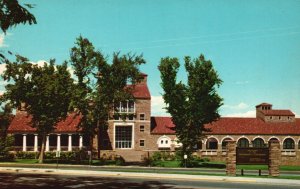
225 142
288 144
142 128
243 143
211 144
142 116
130 106
124 107
258 143
123 137
142 142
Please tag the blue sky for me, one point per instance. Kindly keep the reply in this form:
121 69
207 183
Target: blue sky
254 45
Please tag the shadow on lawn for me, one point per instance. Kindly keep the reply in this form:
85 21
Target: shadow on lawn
21 181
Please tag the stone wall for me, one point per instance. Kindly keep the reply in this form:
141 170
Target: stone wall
274 158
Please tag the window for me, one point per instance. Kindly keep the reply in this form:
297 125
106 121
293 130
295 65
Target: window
289 144
243 143
224 143
258 143
211 144
271 117
123 137
142 143
131 117
130 106
164 142
279 118
142 128
124 107
142 116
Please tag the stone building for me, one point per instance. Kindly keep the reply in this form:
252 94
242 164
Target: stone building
141 134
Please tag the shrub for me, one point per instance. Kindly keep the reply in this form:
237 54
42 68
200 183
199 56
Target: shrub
157 156
6 144
120 160
26 155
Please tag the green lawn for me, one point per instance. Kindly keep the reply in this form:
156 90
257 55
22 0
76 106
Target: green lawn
169 164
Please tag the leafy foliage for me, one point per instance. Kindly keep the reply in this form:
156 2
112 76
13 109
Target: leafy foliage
100 83
12 14
44 92
6 144
193 104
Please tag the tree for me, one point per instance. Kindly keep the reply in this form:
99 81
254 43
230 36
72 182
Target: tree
12 14
6 142
191 105
100 84
44 92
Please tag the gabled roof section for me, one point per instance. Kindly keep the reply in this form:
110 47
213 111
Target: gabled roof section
162 125
253 126
22 123
278 112
264 104
238 126
140 91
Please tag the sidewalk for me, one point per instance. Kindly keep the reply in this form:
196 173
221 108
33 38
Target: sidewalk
148 175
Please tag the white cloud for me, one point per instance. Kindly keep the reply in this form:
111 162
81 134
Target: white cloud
157 106
2 68
2 44
40 63
251 113
242 82
240 106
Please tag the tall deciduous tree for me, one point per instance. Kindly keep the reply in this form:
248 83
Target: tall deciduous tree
194 104
45 91
100 83
12 14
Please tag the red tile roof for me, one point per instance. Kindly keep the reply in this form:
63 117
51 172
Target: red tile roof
278 113
140 91
264 104
162 125
21 123
229 126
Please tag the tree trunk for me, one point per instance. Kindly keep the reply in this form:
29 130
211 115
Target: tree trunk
41 156
98 139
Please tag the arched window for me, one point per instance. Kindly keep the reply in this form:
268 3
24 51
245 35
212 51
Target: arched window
243 143
288 144
273 139
211 144
299 144
258 143
224 142
164 142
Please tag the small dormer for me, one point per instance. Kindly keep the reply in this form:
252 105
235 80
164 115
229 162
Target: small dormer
265 112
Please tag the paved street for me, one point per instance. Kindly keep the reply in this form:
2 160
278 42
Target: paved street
43 181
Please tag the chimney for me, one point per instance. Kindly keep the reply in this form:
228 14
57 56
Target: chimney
144 78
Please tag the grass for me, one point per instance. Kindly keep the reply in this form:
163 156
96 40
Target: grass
167 164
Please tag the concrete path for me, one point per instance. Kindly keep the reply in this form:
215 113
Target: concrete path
149 175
